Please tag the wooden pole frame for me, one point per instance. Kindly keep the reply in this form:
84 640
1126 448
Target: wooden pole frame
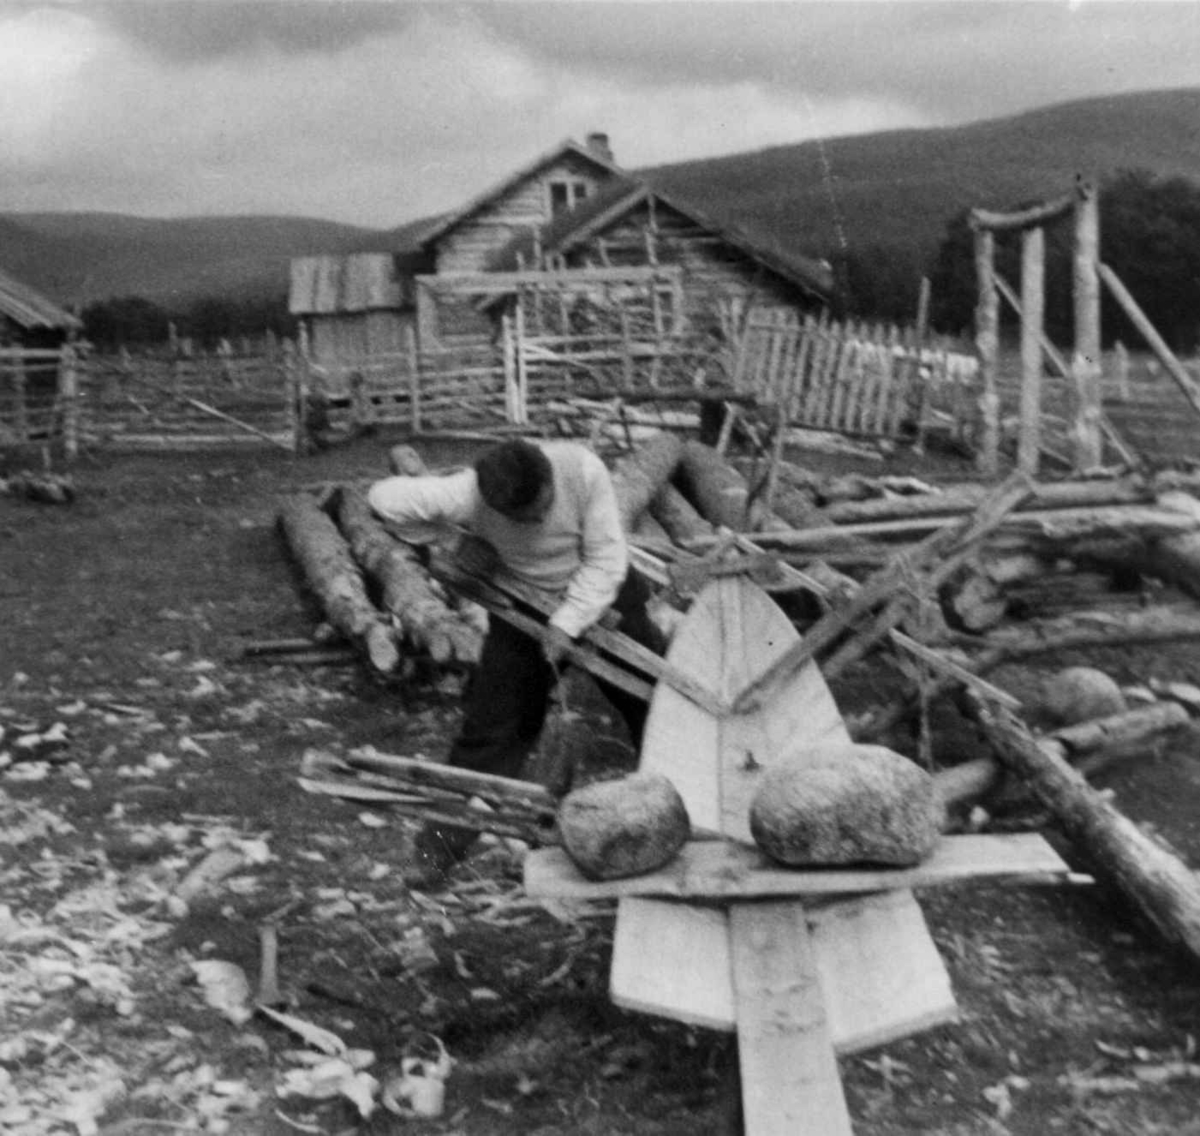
1082 204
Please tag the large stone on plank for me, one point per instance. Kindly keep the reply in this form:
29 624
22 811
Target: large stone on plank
847 804
624 827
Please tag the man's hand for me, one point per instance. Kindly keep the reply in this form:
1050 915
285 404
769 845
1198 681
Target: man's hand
555 646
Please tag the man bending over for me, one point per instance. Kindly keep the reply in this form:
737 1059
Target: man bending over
548 514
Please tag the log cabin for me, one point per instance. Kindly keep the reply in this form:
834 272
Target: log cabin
564 237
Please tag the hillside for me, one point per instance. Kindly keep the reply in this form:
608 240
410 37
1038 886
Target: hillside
900 188
896 189
77 257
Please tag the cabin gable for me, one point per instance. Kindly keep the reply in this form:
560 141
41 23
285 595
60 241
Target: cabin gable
555 188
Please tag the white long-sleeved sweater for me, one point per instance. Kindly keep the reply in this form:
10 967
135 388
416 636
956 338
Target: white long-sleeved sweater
576 554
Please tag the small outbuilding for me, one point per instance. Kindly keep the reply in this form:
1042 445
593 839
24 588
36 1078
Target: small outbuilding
29 319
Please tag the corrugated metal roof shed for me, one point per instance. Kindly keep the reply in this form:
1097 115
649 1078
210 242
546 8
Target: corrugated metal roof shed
29 309
357 282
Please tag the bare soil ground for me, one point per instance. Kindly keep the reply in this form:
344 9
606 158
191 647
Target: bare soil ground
123 617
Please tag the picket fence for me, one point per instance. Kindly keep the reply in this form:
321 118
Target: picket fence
856 378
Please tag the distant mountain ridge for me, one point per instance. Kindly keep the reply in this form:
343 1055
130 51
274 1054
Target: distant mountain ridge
896 189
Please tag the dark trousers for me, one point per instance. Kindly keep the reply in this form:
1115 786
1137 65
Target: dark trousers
508 695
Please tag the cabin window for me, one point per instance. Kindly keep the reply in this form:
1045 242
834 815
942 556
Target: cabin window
565 195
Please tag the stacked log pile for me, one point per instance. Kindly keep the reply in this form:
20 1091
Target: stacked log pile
1100 543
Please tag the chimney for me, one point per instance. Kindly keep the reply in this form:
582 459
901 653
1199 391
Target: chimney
597 142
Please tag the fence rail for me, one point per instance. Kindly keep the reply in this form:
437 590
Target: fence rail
850 377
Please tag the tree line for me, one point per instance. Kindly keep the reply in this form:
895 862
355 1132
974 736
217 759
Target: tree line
137 322
1149 236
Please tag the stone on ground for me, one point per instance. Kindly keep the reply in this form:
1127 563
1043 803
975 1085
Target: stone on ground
1079 694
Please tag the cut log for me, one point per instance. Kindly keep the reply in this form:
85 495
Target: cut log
678 515
1166 623
796 508
1053 530
405 588
640 474
1175 559
1089 747
1152 879
1160 624
336 580
956 499
719 492
971 600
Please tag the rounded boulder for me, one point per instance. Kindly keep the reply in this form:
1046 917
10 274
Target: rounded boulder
624 827
1079 694
847 804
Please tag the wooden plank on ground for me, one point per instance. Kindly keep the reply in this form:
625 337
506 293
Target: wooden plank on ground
790 1081
880 969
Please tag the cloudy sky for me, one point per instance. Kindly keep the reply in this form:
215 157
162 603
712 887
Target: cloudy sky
378 113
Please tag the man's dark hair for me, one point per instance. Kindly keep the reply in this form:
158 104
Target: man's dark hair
512 474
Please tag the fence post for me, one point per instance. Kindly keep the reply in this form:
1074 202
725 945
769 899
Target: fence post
1122 354
1085 363
21 406
508 354
292 401
987 345
626 350
1033 247
68 390
520 409
414 377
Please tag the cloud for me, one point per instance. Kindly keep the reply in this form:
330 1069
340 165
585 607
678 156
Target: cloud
191 30
381 113
952 60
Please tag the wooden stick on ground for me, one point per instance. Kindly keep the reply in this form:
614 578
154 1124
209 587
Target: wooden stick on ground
438 793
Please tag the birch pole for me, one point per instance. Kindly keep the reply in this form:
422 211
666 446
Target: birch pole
987 342
1085 362
1033 301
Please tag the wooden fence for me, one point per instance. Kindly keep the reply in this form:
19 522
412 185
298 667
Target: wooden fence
839 377
511 381
74 397
31 402
856 378
165 401
851 378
